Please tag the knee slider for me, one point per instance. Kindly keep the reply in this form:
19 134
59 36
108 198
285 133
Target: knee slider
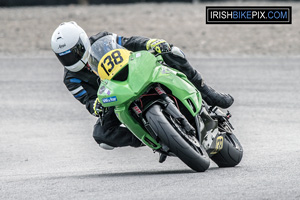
176 51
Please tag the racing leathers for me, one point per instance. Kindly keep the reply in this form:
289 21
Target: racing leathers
84 85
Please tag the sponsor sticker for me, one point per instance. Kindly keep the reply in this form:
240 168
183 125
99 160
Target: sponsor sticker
65 52
103 89
219 145
109 99
165 70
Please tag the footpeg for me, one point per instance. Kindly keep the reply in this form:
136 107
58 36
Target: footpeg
228 115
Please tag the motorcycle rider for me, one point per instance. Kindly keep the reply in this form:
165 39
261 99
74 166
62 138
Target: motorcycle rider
71 45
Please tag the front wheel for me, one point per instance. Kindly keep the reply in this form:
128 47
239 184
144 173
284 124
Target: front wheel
196 158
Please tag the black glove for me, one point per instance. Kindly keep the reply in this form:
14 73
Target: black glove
158 45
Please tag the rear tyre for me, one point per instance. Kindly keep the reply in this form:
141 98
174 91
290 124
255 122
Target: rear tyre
231 154
196 158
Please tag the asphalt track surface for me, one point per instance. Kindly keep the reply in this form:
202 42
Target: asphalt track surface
47 150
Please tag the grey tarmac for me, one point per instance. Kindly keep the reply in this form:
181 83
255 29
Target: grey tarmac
47 150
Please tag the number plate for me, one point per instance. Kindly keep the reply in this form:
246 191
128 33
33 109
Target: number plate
112 62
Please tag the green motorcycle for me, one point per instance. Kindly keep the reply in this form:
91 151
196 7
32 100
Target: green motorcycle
162 108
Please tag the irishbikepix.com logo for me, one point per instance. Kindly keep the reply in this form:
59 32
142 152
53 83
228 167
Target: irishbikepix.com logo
248 15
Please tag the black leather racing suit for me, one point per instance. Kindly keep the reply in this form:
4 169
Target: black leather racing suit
84 85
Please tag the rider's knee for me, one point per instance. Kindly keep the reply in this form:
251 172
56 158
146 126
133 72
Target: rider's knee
178 52
176 58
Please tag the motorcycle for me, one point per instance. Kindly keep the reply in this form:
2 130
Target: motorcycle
162 108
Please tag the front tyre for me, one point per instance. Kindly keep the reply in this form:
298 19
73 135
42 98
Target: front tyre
196 158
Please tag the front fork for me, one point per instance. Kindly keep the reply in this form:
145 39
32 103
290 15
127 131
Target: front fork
171 109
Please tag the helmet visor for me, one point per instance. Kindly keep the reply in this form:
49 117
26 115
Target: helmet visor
73 55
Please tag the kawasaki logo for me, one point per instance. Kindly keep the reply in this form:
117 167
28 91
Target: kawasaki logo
109 99
61 46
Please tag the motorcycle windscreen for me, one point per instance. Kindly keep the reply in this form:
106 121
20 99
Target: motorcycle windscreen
99 50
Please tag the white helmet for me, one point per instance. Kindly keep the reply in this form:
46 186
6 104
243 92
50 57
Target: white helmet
71 45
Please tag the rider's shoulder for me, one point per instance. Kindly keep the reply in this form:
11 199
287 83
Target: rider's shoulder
99 35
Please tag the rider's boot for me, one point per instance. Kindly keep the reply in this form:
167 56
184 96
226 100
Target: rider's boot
210 96
177 60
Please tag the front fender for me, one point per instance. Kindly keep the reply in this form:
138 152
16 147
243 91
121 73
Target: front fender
125 117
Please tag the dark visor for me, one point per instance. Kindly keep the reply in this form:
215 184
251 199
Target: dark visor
73 55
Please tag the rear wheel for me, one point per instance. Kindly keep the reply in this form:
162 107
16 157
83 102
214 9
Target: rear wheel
231 154
169 133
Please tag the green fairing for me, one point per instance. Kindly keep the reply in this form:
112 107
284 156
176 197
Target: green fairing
144 70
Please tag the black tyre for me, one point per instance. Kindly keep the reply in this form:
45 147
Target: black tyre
231 154
196 158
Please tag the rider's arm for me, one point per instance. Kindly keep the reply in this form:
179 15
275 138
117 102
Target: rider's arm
81 91
99 35
138 43
134 43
